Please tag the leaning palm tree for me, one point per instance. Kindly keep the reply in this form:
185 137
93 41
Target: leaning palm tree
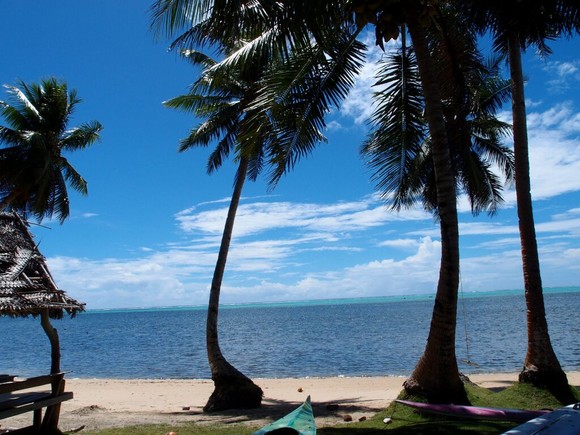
222 98
240 115
517 26
34 173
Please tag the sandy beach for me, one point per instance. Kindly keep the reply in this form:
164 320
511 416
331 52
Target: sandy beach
100 403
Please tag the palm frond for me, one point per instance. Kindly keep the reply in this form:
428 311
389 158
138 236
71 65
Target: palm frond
23 99
481 185
82 136
75 180
221 151
394 149
167 16
301 90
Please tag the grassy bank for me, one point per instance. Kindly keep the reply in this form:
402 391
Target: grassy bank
404 419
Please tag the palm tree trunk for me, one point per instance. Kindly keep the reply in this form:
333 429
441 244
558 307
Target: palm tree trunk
54 341
541 366
232 389
436 375
52 415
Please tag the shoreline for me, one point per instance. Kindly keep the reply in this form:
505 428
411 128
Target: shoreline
105 403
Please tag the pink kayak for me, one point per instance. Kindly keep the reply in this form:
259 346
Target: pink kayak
477 412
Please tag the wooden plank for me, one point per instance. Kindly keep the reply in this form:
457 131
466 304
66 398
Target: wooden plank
24 384
36 405
13 400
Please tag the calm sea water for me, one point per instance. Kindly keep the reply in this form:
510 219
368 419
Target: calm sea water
361 337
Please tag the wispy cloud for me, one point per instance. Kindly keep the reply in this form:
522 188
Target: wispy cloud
358 105
259 217
563 75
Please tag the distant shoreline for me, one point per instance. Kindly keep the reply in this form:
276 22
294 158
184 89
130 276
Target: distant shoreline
338 301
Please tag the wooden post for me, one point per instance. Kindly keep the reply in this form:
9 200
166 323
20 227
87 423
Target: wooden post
54 341
52 414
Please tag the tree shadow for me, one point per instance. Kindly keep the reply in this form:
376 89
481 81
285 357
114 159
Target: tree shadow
273 409
503 386
433 426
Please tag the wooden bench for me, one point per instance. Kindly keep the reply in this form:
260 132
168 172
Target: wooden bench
22 396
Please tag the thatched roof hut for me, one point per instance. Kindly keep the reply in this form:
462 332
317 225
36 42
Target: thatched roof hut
26 285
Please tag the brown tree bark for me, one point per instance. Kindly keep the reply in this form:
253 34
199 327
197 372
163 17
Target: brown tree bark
232 389
52 335
541 366
52 416
436 375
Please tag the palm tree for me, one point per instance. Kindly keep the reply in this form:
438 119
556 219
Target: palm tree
222 98
327 32
398 148
515 27
436 375
33 170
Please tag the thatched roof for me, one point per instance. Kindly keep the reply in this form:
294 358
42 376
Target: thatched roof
26 286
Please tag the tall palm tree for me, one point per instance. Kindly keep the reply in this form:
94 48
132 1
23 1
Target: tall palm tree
238 115
515 27
436 375
222 98
398 148
34 173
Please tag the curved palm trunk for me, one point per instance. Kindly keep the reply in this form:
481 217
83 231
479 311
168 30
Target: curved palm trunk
52 335
436 375
541 366
232 389
52 412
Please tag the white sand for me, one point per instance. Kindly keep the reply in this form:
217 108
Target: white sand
100 403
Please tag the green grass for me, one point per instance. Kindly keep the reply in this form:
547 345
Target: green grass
404 419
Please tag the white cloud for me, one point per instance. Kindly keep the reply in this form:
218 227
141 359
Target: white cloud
563 75
335 126
257 217
359 103
401 243
554 153
573 212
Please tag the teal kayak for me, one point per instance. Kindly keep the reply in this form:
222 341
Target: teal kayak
300 421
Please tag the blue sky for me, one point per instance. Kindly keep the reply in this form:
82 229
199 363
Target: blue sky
149 231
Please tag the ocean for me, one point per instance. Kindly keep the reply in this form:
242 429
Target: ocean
347 337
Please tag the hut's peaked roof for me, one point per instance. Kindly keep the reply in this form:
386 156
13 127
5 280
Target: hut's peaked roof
26 286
